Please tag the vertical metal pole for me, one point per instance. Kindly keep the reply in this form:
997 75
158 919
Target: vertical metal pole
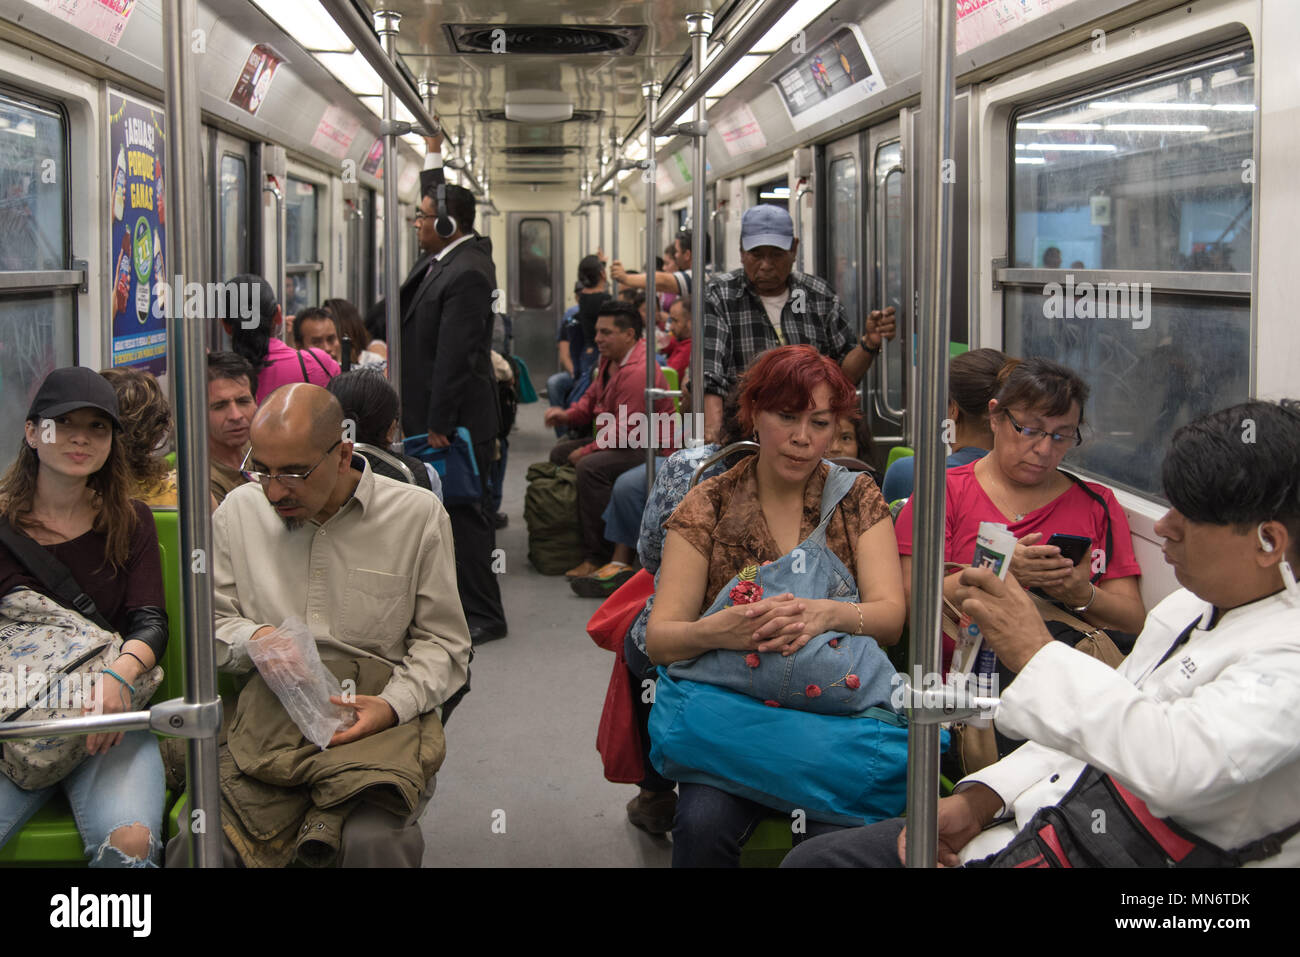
700 26
932 375
189 367
386 26
600 229
651 92
613 231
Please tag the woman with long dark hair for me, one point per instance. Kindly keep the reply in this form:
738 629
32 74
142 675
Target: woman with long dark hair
69 492
275 363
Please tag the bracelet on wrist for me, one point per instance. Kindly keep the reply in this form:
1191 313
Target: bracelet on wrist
1091 598
862 344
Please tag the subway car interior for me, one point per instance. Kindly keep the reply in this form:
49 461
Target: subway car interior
1093 182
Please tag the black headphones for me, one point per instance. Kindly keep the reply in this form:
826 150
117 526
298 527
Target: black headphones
444 225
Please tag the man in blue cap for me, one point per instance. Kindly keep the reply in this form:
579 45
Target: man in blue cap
766 304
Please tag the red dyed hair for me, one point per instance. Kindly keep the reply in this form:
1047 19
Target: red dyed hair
783 379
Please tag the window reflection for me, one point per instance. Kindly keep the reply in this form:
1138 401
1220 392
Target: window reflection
1150 175
844 235
535 280
234 216
33 171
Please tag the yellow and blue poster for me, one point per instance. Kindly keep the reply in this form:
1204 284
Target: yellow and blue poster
137 242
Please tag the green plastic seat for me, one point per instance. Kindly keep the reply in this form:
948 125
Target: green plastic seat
771 841
896 453
670 375
50 838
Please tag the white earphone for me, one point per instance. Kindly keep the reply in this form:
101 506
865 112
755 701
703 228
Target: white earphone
1288 576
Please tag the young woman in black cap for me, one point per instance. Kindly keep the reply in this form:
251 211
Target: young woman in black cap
68 490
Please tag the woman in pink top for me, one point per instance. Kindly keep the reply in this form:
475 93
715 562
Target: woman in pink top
1036 417
253 317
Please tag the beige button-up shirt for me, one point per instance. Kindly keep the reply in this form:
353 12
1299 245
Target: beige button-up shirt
378 575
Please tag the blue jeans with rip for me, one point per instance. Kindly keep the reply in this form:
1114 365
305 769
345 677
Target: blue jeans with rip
117 788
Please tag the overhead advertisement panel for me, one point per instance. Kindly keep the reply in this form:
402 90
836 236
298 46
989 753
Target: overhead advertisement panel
834 75
979 21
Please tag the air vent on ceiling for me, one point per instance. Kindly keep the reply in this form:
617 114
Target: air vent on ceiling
542 40
579 116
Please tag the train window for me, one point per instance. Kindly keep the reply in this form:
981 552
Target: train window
843 210
1149 175
1131 221
301 249
776 192
889 259
1145 381
233 213
33 173
535 280
36 328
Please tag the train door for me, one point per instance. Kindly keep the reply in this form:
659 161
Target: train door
535 249
231 197
885 231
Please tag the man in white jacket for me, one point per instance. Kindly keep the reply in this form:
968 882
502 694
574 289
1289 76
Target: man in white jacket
1199 721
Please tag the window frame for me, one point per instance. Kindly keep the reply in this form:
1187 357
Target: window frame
1232 285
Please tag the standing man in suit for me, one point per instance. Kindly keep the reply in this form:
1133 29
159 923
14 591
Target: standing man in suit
447 379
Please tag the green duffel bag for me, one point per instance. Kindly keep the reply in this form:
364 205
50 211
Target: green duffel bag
551 511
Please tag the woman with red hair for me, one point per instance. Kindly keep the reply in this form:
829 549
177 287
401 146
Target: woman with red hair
767 509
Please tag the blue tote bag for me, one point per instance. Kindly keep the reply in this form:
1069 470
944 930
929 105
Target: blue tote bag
455 465
839 769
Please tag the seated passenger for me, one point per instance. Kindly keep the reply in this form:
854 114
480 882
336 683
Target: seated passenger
368 565
678 351
317 328
1195 723
568 349
972 382
655 804
365 351
852 439
1036 419
370 403
274 362
758 512
232 383
69 490
616 403
146 424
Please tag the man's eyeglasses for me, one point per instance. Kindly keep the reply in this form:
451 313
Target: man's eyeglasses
287 479
1031 434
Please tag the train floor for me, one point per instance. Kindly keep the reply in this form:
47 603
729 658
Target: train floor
522 784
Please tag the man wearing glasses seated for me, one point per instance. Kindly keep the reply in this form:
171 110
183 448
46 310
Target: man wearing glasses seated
367 563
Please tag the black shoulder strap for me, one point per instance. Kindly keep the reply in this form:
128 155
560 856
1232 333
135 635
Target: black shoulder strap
51 573
302 365
312 352
1110 541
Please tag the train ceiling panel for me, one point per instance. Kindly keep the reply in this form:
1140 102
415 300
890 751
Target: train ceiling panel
588 57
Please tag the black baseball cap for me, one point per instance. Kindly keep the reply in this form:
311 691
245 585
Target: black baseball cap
75 387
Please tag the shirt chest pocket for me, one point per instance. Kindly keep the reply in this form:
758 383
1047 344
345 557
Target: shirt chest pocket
376 606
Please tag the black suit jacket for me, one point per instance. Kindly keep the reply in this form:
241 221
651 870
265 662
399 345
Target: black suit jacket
447 378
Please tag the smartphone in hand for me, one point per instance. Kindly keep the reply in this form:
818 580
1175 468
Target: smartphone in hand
1073 547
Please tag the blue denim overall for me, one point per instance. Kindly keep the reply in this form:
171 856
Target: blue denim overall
834 673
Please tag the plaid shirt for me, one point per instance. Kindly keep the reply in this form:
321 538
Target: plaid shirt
736 327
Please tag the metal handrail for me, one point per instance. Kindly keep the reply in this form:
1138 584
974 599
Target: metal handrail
738 45
388 458
743 446
281 269
651 92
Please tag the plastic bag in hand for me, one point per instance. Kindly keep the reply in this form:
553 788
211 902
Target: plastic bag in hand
290 665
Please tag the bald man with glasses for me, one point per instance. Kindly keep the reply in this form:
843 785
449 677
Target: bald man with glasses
367 563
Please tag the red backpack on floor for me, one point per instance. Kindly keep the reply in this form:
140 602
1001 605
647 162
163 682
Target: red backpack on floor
617 738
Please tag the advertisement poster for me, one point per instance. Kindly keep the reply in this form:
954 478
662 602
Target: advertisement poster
740 131
831 77
979 21
254 81
335 132
374 161
103 19
137 241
